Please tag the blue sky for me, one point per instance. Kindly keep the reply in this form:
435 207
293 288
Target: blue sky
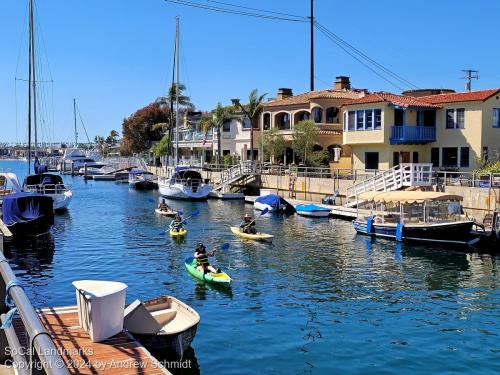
115 56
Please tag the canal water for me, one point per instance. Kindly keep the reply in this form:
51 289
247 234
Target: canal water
319 300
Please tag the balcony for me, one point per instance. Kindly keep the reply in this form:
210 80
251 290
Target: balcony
194 136
412 135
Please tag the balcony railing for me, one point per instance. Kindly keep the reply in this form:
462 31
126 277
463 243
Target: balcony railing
407 135
194 136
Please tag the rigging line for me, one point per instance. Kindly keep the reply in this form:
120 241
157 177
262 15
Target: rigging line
41 39
232 11
15 105
21 39
81 120
322 80
380 66
258 10
360 61
37 81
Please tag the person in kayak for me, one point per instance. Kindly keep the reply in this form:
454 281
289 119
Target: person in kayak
201 256
248 225
177 224
163 206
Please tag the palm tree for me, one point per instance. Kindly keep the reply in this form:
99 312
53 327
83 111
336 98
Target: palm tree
252 110
220 116
169 99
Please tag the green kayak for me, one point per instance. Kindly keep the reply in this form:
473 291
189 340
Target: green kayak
220 278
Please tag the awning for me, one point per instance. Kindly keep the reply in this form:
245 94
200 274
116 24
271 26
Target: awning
407 196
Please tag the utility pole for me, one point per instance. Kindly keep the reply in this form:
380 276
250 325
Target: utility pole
469 75
312 47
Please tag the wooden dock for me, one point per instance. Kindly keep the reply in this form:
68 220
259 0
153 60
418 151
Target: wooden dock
121 354
6 233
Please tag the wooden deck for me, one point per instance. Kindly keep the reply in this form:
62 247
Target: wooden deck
121 354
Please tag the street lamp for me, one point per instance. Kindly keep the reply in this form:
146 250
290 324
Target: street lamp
237 104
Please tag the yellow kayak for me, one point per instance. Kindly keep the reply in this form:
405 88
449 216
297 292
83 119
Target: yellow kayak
256 237
176 233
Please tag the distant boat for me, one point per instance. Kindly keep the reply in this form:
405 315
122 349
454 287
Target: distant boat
77 158
164 323
27 213
274 203
141 180
186 183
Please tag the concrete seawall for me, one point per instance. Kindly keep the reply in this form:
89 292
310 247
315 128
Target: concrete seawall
477 202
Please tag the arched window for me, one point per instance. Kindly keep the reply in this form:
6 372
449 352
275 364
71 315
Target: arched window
282 120
302 116
266 121
317 115
332 115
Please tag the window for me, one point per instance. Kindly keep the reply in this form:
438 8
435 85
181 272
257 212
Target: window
371 160
332 115
246 123
399 116
395 158
267 121
369 119
345 121
351 119
317 115
435 156
378 118
283 121
496 117
226 126
464 157
415 157
455 118
450 157
484 154
303 116
360 121
429 118
226 152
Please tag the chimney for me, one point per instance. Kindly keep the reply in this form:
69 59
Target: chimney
342 83
284 93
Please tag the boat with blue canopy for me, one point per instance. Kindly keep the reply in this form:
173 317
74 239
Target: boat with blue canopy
312 210
27 213
274 203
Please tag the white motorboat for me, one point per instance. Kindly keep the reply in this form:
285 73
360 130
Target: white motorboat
186 183
78 158
312 210
51 185
141 180
273 203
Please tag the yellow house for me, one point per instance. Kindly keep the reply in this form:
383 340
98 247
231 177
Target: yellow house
323 107
451 130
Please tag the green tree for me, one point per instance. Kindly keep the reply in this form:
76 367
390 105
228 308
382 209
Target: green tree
305 136
220 116
161 148
111 139
140 129
273 144
252 110
169 99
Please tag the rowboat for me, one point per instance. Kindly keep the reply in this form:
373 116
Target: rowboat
220 278
178 233
312 210
249 236
165 213
163 323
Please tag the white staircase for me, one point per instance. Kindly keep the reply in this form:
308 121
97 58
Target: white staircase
401 176
234 174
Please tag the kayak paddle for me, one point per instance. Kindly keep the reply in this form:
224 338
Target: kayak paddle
263 212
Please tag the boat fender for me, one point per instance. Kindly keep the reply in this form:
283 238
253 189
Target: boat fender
399 232
369 224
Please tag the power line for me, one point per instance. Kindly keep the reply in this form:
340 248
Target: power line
258 10
339 41
237 12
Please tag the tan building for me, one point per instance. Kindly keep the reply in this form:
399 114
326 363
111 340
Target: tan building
451 130
323 107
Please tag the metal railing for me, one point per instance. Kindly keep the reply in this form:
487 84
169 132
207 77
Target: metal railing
48 188
467 179
411 134
45 354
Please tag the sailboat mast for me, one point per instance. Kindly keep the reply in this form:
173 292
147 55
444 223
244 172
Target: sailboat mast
74 115
30 6
177 36
33 76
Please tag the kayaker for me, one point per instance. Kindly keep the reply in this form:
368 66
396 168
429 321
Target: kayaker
177 223
248 225
201 256
163 206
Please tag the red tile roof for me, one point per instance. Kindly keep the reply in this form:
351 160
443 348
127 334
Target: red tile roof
305 98
460 96
399 100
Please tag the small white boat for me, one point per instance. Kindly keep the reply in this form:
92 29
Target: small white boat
312 210
163 323
274 203
51 185
104 177
141 180
186 183
165 213
222 195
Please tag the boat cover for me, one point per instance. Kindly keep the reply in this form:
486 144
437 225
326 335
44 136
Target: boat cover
275 201
310 208
43 179
26 207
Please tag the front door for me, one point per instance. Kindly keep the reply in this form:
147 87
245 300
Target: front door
404 157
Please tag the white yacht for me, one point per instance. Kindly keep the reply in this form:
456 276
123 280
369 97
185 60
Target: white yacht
185 183
78 158
51 185
141 180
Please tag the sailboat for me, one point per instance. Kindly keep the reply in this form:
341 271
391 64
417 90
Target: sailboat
27 213
186 182
47 184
